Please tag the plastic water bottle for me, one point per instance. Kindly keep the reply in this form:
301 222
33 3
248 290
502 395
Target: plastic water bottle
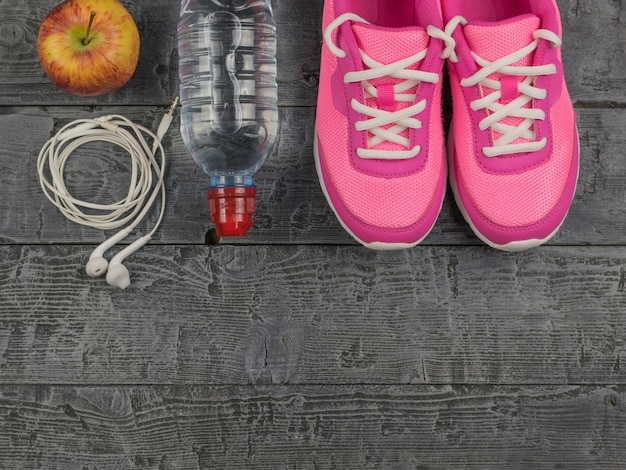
229 117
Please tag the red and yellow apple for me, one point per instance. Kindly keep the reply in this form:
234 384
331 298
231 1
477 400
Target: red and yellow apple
88 47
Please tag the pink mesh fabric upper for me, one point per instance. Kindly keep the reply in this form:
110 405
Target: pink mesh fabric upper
495 40
388 45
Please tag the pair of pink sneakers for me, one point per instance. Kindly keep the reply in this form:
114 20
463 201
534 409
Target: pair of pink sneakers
380 151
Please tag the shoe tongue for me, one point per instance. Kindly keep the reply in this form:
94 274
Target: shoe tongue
494 40
387 45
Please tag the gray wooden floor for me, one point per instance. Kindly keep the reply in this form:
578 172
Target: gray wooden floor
295 348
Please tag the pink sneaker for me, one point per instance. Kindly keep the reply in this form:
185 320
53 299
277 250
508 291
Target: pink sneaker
379 137
513 144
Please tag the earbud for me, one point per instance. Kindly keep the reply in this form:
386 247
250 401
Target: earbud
117 274
97 265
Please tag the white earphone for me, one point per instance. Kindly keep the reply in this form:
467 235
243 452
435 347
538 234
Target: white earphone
97 264
133 208
117 274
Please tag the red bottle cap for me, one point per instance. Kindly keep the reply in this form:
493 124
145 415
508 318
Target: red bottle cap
231 209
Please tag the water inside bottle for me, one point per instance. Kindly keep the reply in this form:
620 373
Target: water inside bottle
229 119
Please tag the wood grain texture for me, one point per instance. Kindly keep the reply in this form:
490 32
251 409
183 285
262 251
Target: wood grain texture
599 78
315 315
295 348
291 207
327 427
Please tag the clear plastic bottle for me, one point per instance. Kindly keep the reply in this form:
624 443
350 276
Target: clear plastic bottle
229 117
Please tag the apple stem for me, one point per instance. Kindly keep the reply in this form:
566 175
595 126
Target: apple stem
86 40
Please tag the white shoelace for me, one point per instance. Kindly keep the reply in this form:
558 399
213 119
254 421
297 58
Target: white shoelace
515 108
402 119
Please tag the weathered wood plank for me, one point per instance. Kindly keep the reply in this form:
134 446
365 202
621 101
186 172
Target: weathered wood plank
313 314
291 206
599 78
277 428
294 348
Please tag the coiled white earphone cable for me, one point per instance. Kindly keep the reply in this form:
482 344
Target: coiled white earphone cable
131 209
